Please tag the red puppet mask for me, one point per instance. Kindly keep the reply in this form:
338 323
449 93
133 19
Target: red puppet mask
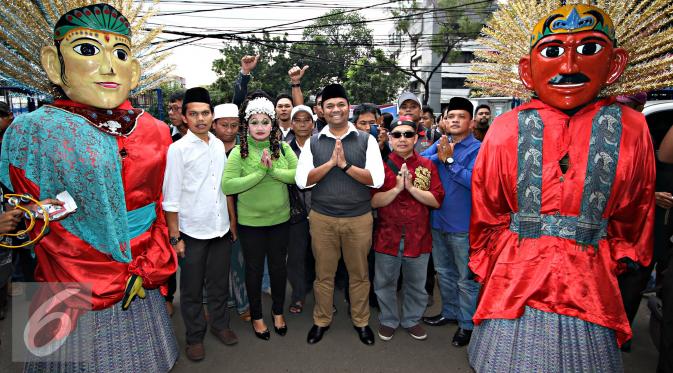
571 61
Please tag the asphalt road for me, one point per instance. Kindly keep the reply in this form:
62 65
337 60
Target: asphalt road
340 350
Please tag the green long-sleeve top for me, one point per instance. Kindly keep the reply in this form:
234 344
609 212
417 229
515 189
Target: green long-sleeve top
262 193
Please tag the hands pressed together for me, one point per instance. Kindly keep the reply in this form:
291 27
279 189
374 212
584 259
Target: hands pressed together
266 159
338 158
445 148
404 180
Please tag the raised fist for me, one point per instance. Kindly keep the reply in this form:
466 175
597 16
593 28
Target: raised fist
248 63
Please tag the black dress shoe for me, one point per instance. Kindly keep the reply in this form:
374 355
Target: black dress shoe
316 333
438 320
366 334
265 335
461 338
280 331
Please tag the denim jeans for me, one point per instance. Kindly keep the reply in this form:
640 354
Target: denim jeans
415 298
459 291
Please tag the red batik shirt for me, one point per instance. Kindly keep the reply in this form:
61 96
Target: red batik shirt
553 274
405 213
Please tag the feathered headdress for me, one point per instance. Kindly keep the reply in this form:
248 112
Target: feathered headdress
28 25
642 28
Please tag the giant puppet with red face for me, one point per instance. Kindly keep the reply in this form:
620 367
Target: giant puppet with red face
110 157
562 202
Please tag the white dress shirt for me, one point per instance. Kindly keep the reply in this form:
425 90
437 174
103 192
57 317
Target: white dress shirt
374 163
192 186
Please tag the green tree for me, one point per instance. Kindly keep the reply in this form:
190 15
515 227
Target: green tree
457 23
269 75
337 47
374 79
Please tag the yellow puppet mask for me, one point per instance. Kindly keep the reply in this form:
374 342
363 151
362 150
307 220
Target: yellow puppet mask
91 60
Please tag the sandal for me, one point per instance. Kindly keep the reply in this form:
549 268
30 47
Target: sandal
297 307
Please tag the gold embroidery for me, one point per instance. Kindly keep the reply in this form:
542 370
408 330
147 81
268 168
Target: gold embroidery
422 180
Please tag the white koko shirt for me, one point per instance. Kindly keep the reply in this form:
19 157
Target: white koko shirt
192 186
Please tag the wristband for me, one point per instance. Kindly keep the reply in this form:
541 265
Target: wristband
293 85
346 167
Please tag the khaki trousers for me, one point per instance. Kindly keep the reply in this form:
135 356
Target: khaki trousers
332 237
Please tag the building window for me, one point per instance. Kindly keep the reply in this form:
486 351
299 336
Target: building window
461 57
453 83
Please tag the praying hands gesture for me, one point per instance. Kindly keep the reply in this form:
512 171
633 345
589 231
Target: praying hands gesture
338 158
266 159
445 148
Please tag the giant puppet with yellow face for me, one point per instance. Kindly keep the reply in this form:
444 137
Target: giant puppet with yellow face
110 158
563 201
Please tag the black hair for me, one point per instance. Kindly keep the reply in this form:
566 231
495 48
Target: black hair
282 96
274 136
482 106
176 96
4 109
365 108
428 109
387 120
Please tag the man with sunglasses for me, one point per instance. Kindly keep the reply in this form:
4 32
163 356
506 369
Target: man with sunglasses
454 154
402 240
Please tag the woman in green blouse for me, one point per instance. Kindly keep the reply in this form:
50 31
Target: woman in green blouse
258 170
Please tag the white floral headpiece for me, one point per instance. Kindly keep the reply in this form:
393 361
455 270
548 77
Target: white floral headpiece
260 105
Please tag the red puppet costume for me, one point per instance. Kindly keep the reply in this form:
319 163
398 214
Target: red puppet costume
110 158
562 202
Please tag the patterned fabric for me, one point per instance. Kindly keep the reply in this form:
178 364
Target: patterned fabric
590 226
99 17
140 339
606 133
543 342
558 226
529 177
118 122
60 152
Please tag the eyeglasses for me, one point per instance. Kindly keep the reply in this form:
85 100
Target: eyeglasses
406 134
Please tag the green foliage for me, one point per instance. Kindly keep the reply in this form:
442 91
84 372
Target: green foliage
374 79
337 47
270 74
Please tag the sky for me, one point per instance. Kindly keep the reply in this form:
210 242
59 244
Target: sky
194 62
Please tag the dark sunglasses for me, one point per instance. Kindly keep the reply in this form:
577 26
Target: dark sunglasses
407 134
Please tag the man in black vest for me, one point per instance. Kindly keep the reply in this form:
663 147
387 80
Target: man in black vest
341 164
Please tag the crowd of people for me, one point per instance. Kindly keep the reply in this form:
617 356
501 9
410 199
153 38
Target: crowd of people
532 227
270 187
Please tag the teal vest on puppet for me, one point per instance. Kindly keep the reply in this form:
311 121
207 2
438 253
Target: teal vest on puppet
589 227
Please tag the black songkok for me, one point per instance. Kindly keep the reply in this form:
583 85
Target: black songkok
459 103
196 94
333 91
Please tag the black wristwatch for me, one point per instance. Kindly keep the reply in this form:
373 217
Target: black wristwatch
346 167
174 240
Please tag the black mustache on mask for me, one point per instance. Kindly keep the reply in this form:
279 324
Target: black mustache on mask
569 79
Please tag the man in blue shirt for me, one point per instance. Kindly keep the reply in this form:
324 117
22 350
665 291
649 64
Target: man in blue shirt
454 156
